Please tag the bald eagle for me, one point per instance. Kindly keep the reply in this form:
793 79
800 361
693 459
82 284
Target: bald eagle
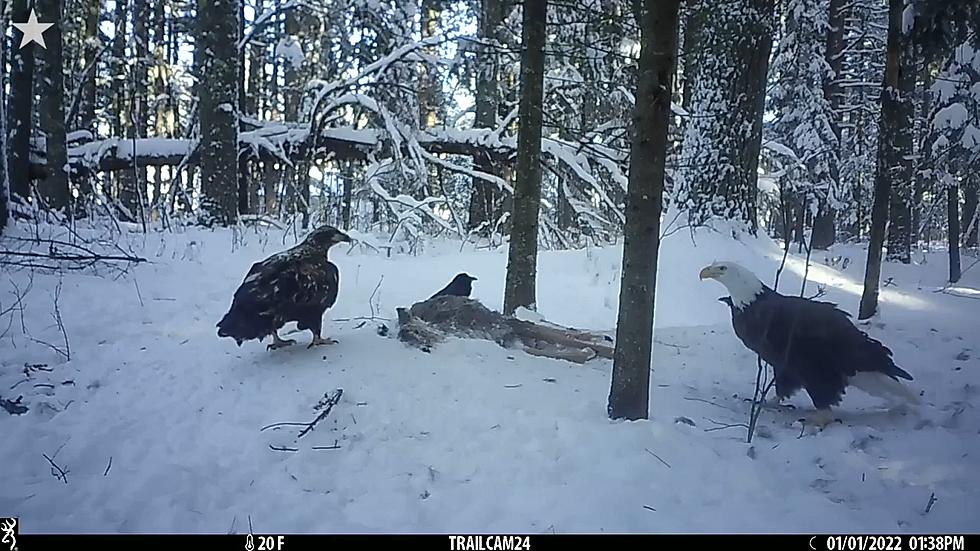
811 345
298 284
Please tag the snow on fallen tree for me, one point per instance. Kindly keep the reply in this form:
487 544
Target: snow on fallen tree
430 322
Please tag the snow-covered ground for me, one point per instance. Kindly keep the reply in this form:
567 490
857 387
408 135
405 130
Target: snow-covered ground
158 423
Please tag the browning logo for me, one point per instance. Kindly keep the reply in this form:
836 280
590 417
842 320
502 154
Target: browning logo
8 528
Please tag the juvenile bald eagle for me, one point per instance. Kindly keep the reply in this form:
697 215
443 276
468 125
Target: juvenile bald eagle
810 344
460 286
298 284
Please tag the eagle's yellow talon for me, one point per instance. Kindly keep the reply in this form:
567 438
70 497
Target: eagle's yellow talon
317 341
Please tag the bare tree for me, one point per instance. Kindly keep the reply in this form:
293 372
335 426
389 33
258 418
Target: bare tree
894 148
630 387
20 106
54 188
217 54
523 253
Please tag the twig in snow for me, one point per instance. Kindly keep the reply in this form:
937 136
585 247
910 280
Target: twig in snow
723 426
658 458
762 386
274 425
327 404
334 447
932 501
709 402
371 298
139 295
57 471
363 318
107 467
283 448
648 508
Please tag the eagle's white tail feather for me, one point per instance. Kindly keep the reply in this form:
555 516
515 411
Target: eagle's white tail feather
885 387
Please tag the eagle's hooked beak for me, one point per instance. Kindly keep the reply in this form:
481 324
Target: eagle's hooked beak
707 272
341 237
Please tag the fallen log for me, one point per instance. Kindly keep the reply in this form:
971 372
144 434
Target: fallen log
430 322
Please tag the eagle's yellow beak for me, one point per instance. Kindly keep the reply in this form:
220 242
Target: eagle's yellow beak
707 272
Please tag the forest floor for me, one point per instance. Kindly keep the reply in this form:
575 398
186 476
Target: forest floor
157 425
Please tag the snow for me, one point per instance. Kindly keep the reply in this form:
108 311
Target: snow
291 50
952 116
158 422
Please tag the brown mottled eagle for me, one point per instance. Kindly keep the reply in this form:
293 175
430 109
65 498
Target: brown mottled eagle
298 284
810 344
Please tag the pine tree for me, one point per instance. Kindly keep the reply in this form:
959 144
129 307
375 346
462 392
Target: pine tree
804 118
723 136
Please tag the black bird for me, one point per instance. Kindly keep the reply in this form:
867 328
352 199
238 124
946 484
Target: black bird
810 344
460 286
298 284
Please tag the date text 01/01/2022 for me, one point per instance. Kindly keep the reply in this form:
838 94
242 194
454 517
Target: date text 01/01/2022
489 543
892 543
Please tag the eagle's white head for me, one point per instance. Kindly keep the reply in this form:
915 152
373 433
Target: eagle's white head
742 285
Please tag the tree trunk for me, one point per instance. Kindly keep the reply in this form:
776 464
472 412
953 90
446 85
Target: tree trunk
348 176
272 176
902 179
894 143
694 18
720 155
953 217
54 188
485 200
630 386
825 224
522 256
970 224
4 180
20 106
924 168
244 179
218 57
86 111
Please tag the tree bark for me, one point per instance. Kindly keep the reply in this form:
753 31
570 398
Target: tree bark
924 165
54 188
219 70
4 180
970 204
86 111
485 201
523 251
825 224
630 386
902 180
953 218
20 106
894 143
